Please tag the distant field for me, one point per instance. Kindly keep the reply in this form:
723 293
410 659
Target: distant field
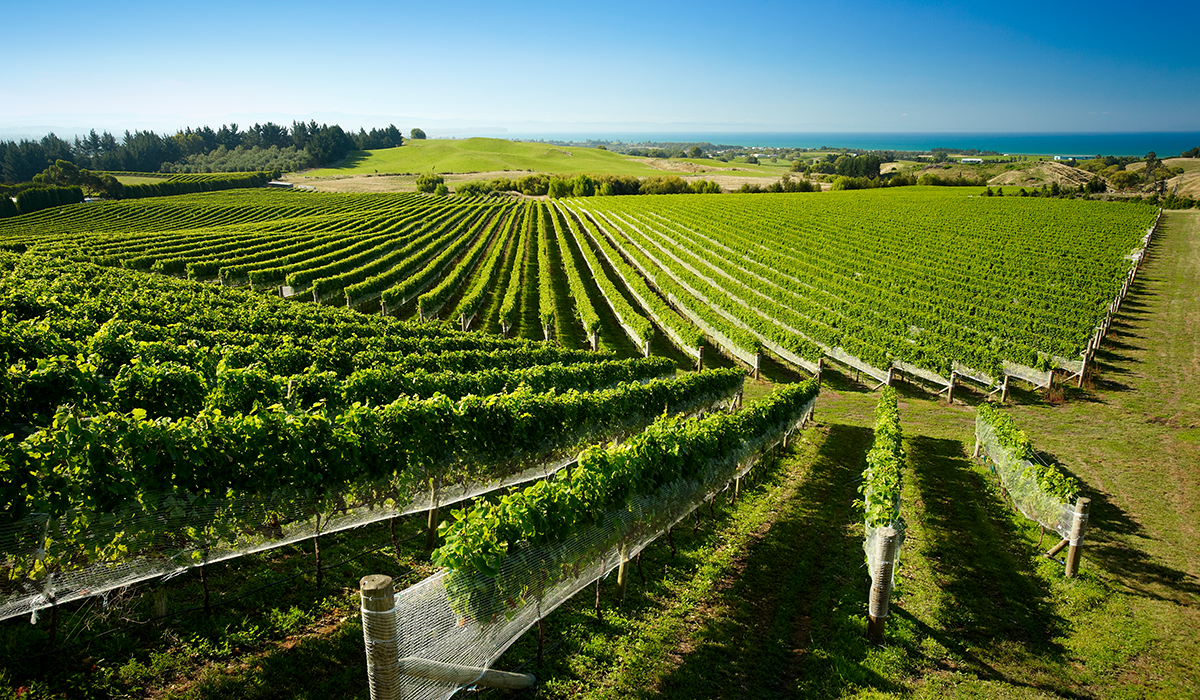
139 179
494 155
485 155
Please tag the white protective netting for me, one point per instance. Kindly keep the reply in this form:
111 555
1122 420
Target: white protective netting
48 561
871 547
1017 476
468 621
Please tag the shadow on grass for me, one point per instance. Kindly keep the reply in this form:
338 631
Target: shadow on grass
982 564
790 620
1106 544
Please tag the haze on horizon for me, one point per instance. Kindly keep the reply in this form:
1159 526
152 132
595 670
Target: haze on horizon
679 67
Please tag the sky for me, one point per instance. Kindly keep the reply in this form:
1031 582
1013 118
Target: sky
459 66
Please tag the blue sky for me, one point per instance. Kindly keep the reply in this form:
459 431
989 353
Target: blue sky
566 66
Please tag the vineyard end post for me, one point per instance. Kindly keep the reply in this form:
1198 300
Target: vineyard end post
381 636
1078 521
881 583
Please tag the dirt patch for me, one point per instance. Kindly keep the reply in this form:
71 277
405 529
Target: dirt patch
390 183
1043 174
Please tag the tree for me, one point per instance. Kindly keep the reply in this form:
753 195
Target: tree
695 152
1152 164
428 182
752 160
1123 179
417 134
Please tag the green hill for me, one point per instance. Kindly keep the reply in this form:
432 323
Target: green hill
491 155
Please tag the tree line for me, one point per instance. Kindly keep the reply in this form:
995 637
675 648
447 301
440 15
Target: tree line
229 148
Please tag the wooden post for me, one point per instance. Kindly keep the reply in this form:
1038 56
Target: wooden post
646 349
204 585
381 636
820 369
622 577
1082 371
950 391
1078 522
392 532
757 365
1004 390
595 340
881 583
699 358
431 525
317 552
975 454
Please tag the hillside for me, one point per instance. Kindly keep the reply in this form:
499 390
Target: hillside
1042 173
484 155
394 169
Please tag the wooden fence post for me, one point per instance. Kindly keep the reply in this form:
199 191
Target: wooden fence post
622 576
431 526
881 582
1078 521
381 636
950 390
699 358
1004 389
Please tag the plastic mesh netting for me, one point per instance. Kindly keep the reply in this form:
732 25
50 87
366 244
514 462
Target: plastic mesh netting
1019 480
84 553
467 621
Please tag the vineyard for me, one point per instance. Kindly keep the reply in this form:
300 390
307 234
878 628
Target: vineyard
1002 287
195 378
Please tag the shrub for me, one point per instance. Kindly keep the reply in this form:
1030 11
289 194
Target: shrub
428 182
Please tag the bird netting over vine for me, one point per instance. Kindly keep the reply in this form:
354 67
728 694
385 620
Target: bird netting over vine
89 551
1040 491
465 618
883 482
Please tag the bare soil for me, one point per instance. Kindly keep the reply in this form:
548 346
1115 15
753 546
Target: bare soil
1043 174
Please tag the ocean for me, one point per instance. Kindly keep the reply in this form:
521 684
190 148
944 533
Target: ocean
1164 144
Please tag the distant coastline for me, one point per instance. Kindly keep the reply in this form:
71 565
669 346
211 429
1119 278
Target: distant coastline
1164 144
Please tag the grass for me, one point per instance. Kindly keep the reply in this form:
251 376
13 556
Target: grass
484 155
135 180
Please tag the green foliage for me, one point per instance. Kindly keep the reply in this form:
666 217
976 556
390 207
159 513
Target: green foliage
604 481
208 184
883 476
418 134
428 182
959 180
38 198
1050 477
